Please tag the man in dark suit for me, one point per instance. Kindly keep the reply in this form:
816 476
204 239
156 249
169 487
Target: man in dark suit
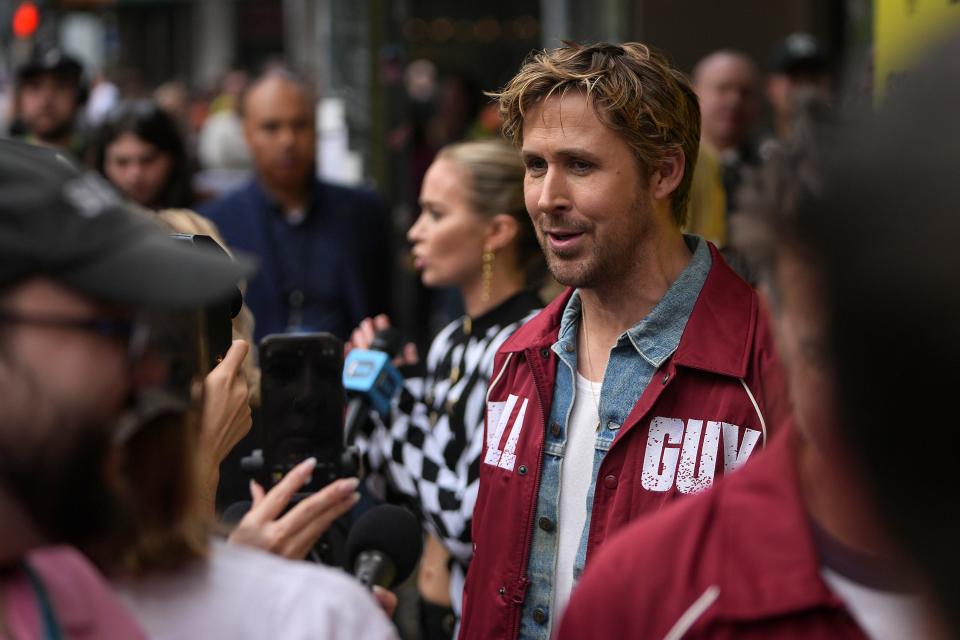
323 249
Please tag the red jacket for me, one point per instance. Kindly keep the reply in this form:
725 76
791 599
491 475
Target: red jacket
738 562
703 411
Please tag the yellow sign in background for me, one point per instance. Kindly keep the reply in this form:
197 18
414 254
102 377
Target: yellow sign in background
904 30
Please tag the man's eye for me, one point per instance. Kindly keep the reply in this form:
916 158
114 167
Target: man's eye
581 166
536 165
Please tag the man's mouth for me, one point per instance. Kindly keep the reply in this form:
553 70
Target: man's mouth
563 239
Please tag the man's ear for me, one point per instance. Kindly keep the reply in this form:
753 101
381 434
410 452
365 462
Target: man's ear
502 229
667 176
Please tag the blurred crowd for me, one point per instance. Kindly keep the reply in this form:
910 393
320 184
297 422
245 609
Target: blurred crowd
753 259
178 148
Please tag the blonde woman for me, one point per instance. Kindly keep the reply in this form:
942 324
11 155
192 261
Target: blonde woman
473 233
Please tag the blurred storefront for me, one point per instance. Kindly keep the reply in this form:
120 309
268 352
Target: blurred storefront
399 78
357 51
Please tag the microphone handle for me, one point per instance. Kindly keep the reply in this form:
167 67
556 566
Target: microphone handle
374 568
356 414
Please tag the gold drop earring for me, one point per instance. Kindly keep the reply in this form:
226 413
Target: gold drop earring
486 275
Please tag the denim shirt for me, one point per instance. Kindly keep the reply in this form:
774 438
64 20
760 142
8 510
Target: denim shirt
634 359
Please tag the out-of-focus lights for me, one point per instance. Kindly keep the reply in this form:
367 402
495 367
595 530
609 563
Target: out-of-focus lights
26 19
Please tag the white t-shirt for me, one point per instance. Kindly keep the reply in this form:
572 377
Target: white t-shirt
241 592
576 474
883 615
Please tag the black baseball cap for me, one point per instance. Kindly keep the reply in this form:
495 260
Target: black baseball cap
798 53
50 60
72 227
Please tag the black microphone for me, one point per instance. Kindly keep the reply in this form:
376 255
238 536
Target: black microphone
370 381
388 340
384 546
233 514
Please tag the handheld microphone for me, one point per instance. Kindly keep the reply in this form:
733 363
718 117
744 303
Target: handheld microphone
233 514
384 546
370 380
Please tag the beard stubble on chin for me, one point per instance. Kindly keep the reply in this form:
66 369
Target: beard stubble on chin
55 130
574 271
609 256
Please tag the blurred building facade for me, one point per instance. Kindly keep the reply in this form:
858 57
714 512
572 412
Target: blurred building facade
399 78
356 49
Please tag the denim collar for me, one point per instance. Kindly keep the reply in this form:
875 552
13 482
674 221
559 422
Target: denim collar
656 336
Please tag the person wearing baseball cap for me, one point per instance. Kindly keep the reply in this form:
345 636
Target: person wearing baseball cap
799 67
77 271
51 89
60 224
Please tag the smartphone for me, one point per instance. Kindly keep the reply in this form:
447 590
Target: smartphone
303 405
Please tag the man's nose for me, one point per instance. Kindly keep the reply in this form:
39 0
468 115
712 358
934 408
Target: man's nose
554 192
287 136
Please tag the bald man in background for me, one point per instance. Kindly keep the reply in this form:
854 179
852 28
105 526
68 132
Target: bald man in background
324 250
727 85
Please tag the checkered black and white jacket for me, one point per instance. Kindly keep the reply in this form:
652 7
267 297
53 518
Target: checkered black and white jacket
430 448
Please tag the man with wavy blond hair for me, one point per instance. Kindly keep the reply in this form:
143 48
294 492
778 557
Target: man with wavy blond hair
650 376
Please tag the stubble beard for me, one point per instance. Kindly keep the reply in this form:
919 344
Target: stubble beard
52 130
572 272
607 260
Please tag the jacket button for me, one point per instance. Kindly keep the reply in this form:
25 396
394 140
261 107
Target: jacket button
544 353
523 469
502 591
546 524
568 347
610 482
555 429
613 426
539 616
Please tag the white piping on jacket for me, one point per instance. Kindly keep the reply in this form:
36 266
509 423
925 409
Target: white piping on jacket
499 375
756 407
690 616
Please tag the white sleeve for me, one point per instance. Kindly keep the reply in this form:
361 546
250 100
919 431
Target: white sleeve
334 607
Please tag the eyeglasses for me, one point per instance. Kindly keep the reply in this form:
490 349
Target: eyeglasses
135 333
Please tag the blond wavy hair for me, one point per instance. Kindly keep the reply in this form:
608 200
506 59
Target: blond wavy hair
632 89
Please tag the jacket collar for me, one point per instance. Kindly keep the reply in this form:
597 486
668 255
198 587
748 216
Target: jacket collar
720 331
541 331
766 559
717 337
